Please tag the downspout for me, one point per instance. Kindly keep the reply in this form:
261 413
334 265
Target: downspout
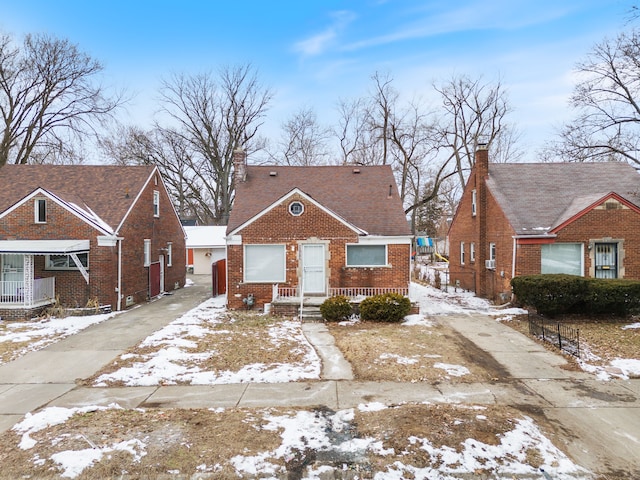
513 263
119 302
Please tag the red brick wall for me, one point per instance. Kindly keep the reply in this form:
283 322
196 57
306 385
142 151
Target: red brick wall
71 287
313 226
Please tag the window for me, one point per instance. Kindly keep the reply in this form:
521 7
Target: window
474 198
169 254
296 209
492 251
147 252
65 262
40 210
156 203
366 255
264 263
562 258
461 253
472 252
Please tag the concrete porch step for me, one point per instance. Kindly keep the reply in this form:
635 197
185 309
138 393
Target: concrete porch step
311 315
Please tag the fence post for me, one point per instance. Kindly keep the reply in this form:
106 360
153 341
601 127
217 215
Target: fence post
559 338
543 329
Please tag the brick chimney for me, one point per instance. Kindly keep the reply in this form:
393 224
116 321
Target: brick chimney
239 165
482 252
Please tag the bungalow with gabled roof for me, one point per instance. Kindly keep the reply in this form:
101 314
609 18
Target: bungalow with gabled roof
312 232
531 218
80 234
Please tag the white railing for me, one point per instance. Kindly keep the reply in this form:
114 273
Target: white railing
353 292
14 292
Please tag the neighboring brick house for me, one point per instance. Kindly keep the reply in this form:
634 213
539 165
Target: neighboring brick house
85 234
326 230
530 218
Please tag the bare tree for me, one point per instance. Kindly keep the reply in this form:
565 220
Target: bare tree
304 141
214 117
48 98
607 101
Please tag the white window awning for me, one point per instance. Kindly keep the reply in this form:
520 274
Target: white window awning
44 247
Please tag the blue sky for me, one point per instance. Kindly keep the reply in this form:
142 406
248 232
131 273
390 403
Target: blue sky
312 52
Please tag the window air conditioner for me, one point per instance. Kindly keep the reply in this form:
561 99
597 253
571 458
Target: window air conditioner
490 264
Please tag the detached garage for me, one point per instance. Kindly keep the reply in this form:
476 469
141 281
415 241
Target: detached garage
205 246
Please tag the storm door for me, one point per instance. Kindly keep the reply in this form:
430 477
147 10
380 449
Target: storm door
12 276
606 260
313 275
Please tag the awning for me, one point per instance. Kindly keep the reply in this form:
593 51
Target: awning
44 247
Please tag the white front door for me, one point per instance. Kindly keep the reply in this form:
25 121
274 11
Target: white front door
313 277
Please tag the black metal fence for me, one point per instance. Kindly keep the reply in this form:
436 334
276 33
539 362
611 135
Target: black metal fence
564 337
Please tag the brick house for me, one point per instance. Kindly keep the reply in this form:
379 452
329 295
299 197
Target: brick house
315 231
531 218
85 234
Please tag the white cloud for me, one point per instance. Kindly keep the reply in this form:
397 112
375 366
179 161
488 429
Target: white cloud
319 43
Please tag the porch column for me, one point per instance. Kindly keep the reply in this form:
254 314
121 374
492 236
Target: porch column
28 280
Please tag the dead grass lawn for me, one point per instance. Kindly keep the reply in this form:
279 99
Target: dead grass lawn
402 353
188 442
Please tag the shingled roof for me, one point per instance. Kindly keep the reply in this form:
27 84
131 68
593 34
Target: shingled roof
537 197
365 197
103 193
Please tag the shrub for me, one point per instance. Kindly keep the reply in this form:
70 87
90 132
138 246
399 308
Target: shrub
554 294
388 307
335 309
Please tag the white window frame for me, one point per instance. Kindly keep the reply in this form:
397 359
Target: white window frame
37 218
156 203
367 245
169 254
472 252
461 253
293 204
278 276
147 252
70 264
548 270
492 251
474 202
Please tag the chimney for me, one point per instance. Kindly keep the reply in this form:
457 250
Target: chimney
239 165
482 161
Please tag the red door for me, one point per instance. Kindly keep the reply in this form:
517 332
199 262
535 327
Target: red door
154 279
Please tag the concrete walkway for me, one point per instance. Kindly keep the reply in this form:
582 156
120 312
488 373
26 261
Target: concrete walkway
599 421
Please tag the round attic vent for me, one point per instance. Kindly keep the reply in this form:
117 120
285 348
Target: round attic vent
296 209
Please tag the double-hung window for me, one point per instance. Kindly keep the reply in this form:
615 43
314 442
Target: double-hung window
264 263
366 255
156 203
461 253
40 210
472 252
474 201
169 254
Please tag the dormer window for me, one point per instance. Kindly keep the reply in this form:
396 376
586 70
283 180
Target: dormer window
156 203
40 210
296 209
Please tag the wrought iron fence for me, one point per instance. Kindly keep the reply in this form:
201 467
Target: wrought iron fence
563 336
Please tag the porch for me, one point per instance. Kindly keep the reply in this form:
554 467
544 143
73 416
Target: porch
21 294
288 300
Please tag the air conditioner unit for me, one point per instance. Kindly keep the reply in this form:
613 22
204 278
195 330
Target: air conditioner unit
490 264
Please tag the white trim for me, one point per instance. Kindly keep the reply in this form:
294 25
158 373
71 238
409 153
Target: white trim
283 199
44 247
386 240
36 210
234 240
146 252
156 204
89 218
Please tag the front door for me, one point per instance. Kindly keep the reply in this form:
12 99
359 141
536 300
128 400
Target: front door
606 260
313 278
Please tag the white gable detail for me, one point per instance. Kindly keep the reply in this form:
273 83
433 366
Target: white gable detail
297 191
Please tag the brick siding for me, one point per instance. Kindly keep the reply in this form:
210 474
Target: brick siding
315 225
